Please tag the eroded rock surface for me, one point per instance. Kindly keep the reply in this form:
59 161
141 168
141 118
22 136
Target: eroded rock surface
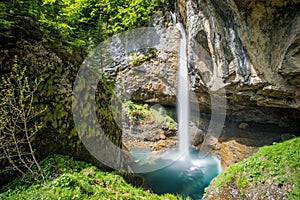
252 45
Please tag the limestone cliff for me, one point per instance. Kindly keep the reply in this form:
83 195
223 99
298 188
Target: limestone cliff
253 46
249 49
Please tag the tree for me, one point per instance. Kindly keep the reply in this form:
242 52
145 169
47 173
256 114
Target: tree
17 126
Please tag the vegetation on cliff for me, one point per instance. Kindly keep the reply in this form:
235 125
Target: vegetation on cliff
74 24
50 38
70 179
273 172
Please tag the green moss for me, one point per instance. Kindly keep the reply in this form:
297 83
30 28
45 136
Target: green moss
279 161
138 113
69 179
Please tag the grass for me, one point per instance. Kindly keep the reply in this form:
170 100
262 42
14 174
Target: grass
279 161
70 179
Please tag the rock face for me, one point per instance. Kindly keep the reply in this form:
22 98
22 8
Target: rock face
150 75
250 49
253 46
58 68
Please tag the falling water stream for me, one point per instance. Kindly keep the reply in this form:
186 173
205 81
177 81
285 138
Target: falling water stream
184 170
183 108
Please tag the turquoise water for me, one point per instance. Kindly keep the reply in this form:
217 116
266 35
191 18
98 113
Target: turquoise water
186 174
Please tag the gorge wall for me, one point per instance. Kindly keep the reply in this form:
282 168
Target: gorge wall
250 49
253 46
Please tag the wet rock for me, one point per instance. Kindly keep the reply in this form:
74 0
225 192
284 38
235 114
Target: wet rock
160 144
162 136
198 138
152 138
196 135
170 132
232 151
287 136
243 125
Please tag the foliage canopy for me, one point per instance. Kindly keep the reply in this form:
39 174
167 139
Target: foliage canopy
79 23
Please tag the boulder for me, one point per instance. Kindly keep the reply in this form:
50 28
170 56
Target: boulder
243 125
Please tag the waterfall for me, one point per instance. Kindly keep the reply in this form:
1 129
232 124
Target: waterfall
183 108
185 171
173 15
